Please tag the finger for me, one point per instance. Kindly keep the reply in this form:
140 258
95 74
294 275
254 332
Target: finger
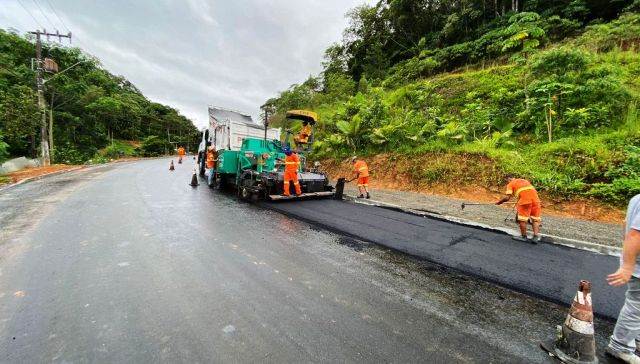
619 281
615 278
614 281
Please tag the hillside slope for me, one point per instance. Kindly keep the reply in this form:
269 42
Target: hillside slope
563 114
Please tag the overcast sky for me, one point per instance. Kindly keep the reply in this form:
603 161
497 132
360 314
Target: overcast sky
192 53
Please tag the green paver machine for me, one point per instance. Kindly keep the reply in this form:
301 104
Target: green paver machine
255 170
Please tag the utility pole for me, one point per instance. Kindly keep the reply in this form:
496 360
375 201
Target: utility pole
44 143
51 125
266 123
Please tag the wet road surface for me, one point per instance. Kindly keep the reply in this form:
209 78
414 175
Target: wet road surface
544 270
127 263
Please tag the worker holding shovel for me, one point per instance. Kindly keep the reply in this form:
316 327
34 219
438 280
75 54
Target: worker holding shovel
361 171
528 206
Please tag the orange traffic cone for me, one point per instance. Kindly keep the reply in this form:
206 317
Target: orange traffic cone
194 179
575 343
171 167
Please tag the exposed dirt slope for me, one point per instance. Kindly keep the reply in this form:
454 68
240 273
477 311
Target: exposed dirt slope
466 177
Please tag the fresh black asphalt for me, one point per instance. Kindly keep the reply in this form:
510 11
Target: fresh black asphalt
545 270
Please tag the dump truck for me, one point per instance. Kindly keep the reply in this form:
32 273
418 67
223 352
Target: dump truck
257 172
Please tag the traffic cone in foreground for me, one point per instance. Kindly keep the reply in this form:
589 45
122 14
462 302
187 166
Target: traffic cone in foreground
575 343
171 167
194 179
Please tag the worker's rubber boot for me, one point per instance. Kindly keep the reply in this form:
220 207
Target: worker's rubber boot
368 196
361 196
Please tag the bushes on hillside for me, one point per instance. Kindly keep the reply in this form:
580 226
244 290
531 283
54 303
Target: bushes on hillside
560 116
4 149
152 146
625 179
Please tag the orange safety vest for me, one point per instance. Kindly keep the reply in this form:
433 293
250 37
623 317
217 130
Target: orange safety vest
523 191
304 134
211 159
361 168
180 151
292 163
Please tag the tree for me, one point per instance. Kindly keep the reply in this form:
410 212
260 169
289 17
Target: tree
526 34
19 120
4 149
351 131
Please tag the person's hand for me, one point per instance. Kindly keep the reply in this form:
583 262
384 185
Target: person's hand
620 277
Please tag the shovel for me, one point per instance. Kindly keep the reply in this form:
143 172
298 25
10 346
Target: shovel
465 204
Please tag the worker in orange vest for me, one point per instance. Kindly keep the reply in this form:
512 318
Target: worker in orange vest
291 167
212 158
180 154
528 206
361 171
304 135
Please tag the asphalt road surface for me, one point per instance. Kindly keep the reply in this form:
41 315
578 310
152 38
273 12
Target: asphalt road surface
127 263
545 270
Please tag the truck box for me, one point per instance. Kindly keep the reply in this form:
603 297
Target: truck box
228 128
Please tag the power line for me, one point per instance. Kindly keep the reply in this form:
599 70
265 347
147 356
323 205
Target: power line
31 15
65 25
44 14
58 16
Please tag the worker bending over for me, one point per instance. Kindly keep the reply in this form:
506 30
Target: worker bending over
212 158
528 206
361 171
180 154
291 167
304 135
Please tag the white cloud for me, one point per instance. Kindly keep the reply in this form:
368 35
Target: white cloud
199 52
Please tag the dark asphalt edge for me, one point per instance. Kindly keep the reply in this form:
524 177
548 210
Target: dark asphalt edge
556 240
515 288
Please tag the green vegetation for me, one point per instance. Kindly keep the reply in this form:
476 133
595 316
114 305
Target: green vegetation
548 90
3 148
91 107
119 148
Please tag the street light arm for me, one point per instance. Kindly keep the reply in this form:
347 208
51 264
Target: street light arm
65 70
